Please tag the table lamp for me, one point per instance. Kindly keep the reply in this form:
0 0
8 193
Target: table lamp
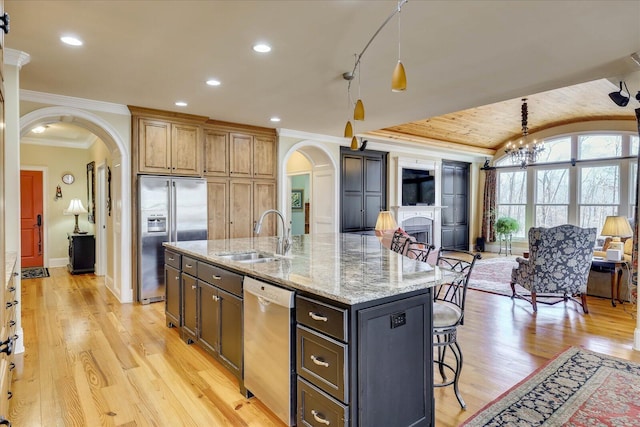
616 227
75 208
385 222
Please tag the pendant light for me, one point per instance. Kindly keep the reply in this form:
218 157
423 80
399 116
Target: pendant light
358 112
354 144
399 78
348 130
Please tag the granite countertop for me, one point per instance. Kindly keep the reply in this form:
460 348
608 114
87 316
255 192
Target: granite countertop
349 268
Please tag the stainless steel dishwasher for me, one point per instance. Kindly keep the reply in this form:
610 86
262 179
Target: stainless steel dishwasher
269 371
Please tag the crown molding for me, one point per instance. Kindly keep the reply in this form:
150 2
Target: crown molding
70 101
291 133
58 143
16 58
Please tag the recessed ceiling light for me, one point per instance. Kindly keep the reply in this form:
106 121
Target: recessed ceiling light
213 82
275 119
181 104
262 48
71 41
38 129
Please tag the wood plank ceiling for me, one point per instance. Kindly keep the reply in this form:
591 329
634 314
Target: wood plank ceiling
488 127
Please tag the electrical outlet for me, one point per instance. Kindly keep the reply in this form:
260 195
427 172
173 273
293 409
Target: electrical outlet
398 319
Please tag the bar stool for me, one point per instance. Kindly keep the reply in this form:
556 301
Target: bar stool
448 314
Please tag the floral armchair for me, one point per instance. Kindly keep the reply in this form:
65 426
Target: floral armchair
558 264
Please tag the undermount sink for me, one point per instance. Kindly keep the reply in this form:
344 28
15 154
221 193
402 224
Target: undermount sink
248 257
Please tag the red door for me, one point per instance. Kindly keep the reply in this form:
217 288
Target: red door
31 235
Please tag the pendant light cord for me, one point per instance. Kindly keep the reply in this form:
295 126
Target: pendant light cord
359 57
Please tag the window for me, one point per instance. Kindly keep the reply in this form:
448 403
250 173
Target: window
599 146
552 197
579 179
599 194
512 197
556 150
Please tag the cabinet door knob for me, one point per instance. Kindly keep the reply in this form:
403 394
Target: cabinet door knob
319 418
193 286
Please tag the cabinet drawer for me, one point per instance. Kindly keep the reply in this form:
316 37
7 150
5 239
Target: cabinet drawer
318 409
172 259
221 278
321 360
190 266
322 317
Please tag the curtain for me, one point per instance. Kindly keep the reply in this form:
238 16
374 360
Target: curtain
634 254
489 206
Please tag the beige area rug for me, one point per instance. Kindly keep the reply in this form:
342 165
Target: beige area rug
494 275
578 388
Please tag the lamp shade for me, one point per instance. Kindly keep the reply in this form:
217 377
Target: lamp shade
399 78
358 112
385 221
75 208
616 226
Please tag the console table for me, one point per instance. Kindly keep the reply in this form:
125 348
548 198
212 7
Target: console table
615 268
82 249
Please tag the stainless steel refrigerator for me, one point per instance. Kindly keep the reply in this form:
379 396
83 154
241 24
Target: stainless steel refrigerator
169 210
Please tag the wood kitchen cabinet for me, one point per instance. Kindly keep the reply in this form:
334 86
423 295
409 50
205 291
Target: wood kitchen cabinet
216 152
211 308
349 357
169 148
240 151
173 289
235 205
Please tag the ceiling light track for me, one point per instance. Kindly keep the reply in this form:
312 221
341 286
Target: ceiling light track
398 81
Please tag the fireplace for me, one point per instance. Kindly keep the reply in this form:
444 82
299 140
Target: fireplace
421 222
419 227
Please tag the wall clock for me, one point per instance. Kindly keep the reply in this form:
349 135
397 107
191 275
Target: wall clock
67 178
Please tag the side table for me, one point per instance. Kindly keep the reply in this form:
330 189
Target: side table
615 268
82 249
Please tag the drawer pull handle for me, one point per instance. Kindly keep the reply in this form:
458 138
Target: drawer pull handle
12 323
318 361
319 418
215 297
193 286
317 317
188 265
12 366
215 277
12 289
172 259
177 278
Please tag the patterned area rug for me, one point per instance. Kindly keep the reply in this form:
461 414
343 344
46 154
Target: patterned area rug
35 272
494 275
578 388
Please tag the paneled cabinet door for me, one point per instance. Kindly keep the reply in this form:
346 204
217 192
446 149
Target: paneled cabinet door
189 304
231 331
154 146
264 198
186 147
240 155
216 153
240 209
173 308
209 316
218 208
264 157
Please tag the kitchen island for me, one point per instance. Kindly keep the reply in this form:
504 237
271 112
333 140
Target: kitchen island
362 319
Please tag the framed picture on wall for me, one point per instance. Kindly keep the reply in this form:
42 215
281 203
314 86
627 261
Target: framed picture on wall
297 199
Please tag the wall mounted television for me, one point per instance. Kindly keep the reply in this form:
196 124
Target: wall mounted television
418 187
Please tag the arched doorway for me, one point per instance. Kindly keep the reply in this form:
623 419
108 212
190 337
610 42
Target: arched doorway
318 164
120 184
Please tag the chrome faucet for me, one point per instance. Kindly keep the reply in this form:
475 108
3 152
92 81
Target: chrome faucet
284 242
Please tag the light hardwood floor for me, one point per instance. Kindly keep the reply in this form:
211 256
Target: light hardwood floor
90 361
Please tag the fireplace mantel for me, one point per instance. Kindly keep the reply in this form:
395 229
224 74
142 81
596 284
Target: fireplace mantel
403 213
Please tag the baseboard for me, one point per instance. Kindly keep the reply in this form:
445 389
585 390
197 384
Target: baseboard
58 262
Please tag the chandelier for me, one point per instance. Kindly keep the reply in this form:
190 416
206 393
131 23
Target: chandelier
524 153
